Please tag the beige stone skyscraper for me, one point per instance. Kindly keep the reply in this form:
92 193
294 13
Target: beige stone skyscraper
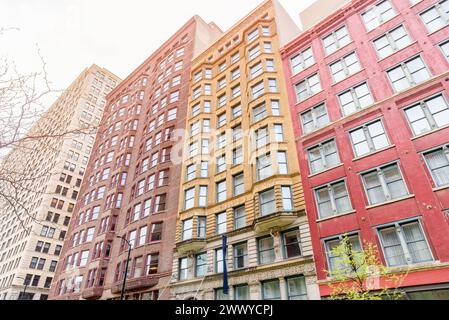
40 181
240 176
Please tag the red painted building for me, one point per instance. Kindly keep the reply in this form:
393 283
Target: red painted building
369 98
131 187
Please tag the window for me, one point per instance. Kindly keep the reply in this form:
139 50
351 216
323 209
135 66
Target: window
221 120
335 261
392 41
282 162
239 185
240 255
200 265
323 156
267 48
438 164
150 182
428 115
90 234
142 236
263 167
345 67
271 290
193 149
222 67
445 49
204 169
239 217
235 57
206 125
291 244
33 262
159 204
241 292
332 199
84 257
189 199
184 268
152 263
275 108
221 163
221 223
278 133
272 85
302 61
237 156
253 52
36 279
194 128
219 260
100 192
436 17
132 238
369 138
257 90
154 159
404 243
336 40
235 74
221 140
221 191
253 35
196 110
308 87
221 83
222 100
287 199
140 187
205 145
355 98
172 114
191 172
408 74
219 295
259 112
384 183
201 227
156 231
146 207
256 70
52 267
262 137
378 14
296 288
236 111
208 74
267 202
235 91
314 118
187 229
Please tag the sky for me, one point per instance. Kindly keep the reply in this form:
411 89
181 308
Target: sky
115 34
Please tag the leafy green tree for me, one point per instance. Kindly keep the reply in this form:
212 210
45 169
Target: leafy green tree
358 274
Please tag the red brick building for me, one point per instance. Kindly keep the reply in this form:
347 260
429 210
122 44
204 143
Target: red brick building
369 92
131 187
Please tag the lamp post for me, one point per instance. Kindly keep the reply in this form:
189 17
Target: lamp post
24 289
122 294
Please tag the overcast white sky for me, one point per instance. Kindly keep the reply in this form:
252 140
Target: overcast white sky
116 34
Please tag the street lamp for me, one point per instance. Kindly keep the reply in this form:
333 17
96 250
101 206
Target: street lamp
122 294
24 289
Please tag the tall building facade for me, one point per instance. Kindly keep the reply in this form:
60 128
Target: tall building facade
45 175
130 195
368 97
240 176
